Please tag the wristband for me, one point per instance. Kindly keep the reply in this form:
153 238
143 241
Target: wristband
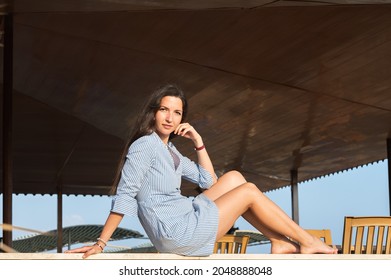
199 148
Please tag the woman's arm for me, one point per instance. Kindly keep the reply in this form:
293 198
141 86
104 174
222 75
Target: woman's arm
188 131
204 160
112 222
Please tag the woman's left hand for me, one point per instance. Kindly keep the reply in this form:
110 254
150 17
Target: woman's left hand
87 250
188 131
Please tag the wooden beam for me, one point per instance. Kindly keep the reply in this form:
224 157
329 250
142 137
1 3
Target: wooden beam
7 126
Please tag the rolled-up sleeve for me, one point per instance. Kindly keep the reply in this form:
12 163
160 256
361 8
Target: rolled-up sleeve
137 163
195 173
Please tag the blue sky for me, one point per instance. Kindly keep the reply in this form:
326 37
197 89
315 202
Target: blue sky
323 203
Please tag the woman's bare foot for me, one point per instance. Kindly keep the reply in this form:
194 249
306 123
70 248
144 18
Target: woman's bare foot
285 246
317 246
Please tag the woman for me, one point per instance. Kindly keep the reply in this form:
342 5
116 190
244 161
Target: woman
149 186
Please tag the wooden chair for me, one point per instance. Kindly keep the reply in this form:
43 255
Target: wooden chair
323 234
231 244
367 235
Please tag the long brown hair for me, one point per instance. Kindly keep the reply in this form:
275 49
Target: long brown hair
145 123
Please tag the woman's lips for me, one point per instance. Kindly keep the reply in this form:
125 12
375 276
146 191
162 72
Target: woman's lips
166 126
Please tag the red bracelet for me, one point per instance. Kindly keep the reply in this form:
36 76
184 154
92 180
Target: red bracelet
199 148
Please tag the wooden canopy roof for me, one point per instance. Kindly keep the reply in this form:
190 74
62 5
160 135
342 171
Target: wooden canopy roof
273 86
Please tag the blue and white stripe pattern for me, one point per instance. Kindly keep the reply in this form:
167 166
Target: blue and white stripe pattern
150 188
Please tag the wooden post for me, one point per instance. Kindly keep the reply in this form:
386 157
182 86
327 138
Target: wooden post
59 218
7 126
389 172
295 196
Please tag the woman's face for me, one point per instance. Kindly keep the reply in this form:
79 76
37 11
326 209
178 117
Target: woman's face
168 116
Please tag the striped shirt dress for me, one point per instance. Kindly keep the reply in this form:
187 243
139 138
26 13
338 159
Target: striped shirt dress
150 188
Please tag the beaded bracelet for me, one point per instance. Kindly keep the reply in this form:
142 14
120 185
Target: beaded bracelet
101 240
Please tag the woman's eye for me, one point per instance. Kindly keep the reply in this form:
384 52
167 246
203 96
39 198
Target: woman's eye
179 113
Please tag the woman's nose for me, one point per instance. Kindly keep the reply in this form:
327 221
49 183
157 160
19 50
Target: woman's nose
169 117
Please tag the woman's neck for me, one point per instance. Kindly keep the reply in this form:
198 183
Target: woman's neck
164 138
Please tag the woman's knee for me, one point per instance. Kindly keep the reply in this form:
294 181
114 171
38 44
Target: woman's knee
235 175
251 190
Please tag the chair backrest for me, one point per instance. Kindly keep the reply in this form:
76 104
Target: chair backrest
231 244
323 234
367 235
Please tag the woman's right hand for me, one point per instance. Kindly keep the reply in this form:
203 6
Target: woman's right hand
87 250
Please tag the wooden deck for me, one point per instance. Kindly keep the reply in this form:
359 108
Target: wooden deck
154 256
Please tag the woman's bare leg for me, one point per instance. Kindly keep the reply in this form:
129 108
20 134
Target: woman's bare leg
231 180
280 244
226 183
262 213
